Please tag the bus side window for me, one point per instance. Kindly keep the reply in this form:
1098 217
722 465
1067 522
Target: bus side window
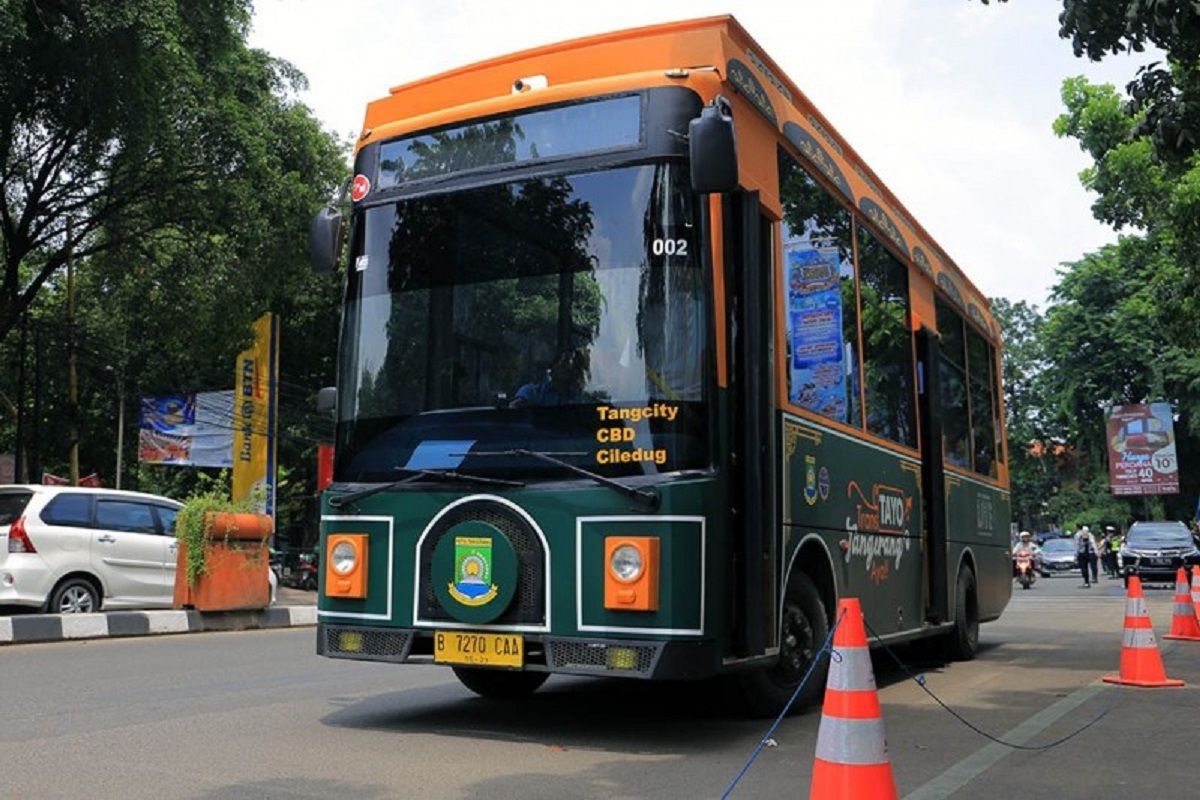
979 365
887 349
821 312
956 420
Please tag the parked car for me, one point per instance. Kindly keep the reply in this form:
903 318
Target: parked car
68 549
1155 550
1058 557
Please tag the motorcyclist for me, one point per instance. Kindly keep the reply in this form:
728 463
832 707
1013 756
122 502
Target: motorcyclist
1027 546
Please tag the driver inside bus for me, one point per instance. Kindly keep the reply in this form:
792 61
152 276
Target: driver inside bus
563 384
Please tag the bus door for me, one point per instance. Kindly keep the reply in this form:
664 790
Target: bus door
753 518
933 479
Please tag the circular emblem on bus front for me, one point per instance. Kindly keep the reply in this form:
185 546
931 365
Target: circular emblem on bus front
360 187
474 572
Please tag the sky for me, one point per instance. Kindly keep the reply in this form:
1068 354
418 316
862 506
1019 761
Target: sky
950 102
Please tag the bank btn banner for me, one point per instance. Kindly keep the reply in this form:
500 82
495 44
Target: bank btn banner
187 430
1141 450
255 411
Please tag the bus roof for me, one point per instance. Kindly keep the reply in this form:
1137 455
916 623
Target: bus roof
659 55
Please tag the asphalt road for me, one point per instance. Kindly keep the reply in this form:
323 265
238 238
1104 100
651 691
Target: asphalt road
256 714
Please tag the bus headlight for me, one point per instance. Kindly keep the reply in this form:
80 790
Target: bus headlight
626 563
345 558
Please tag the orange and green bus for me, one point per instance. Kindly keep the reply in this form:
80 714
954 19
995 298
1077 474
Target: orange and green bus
641 369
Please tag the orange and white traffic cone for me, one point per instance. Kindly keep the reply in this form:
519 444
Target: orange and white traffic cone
1184 624
852 759
1196 588
1141 663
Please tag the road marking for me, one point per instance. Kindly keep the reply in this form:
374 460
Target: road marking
986 757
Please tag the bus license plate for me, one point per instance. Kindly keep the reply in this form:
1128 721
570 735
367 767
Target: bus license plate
479 649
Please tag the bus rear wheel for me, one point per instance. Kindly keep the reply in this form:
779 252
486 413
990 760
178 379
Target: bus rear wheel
963 642
500 684
803 630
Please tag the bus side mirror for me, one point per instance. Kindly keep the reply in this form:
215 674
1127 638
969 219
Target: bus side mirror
325 239
712 149
327 399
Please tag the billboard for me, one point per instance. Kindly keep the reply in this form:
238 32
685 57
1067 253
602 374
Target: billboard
254 417
187 430
1141 450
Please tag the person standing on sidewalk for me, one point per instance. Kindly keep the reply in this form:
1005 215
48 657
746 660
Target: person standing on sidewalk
1085 553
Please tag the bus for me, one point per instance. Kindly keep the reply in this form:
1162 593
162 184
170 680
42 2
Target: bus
641 369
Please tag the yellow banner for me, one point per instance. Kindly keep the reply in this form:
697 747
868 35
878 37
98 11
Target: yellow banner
254 417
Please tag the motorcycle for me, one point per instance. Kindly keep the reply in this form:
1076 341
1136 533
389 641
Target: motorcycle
1023 567
306 572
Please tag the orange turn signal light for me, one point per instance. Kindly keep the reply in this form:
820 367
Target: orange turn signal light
627 588
350 581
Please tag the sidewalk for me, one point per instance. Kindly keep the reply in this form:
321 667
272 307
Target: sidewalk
293 608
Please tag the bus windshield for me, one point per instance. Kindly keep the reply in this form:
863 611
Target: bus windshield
564 315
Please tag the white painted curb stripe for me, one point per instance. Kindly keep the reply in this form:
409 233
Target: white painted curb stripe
84 626
167 621
6 633
985 758
303 615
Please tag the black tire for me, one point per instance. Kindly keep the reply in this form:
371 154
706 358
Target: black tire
804 628
500 684
74 596
1025 582
963 642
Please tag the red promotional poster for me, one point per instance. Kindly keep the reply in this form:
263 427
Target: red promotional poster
1141 450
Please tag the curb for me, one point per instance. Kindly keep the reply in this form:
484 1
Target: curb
59 627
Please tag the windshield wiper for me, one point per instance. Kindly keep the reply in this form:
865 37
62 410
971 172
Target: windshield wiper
649 497
419 474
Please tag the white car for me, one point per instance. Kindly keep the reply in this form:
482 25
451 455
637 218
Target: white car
67 549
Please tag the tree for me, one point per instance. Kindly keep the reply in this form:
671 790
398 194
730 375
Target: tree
126 124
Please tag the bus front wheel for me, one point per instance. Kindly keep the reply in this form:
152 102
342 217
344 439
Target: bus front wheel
500 684
803 630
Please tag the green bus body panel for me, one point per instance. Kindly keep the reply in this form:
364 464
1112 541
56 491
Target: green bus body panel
864 503
680 588
564 515
978 521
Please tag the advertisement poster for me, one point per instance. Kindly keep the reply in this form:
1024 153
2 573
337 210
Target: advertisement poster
254 417
187 430
1141 450
817 365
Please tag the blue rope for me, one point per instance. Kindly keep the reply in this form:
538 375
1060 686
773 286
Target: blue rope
827 647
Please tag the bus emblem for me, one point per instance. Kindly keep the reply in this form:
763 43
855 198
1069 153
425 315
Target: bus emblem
360 187
810 480
473 571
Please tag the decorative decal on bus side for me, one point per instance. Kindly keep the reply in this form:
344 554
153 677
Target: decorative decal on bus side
922 261
745 82
875 213
826 135
977 317
879 529
948 286
812 150
771 77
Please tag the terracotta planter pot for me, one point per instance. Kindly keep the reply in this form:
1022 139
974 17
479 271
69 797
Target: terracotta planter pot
233 525
235 578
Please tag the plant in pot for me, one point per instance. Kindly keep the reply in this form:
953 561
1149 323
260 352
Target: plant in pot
222 563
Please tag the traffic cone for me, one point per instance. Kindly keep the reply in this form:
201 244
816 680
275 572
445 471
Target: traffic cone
1141 663
1184 624
852 760
1196 588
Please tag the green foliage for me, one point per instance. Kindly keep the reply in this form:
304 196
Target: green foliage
192 527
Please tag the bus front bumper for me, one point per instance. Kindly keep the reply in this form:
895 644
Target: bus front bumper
570 655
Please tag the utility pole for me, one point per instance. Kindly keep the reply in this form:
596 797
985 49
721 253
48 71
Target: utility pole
21 468
72 377
120 423
36 456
